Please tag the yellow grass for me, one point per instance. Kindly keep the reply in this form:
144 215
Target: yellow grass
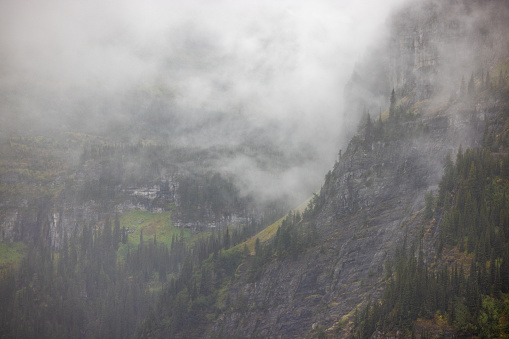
270 231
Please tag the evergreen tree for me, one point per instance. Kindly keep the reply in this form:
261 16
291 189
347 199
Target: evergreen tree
392 107
471 86
226 239
428 210
463 91
368 132
107 236
117 237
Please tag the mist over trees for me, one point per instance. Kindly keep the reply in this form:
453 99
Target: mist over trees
193 74
171 169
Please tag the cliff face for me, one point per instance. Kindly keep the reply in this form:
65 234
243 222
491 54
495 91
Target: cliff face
435 43
115 179
373 199
431 46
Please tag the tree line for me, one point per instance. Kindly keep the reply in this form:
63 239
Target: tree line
472 294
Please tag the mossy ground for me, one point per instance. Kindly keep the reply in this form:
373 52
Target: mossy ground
152 224
11 254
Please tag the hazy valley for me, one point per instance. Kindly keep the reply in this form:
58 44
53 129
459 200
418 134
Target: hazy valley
214 182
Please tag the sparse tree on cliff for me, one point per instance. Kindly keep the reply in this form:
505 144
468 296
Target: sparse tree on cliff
471 86
463 91
368 136
392 107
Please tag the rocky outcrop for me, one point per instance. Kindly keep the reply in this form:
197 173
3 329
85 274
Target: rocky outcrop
373 199
90 194
432 45
435 43
68 211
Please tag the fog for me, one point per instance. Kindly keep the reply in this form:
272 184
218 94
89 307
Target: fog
199 73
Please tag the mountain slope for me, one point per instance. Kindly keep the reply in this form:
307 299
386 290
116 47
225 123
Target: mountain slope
374 199
347 265
369 203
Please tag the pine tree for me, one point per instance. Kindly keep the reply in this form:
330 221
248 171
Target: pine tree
258 248
107 236
392 107
205 281
430 201
471 86
226 239
368 132
463 91
117 237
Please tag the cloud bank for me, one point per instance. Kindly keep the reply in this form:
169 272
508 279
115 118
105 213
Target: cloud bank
275 70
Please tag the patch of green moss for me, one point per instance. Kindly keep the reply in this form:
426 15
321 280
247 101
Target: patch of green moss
11 254
158 225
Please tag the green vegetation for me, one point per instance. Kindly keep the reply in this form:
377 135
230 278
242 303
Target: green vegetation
467 299
96 285
104 282
30 164
136 274
464 291
293 237
158 225
393 124
263 236
11 254
200 293
80 291
270 231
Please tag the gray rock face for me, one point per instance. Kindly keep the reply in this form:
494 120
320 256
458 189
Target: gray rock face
80 204
435 43
67 213
8 225
373 198
432 45
371 201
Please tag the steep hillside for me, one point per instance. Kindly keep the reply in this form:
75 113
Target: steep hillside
371 201
432 46
113 239
92 229
320 268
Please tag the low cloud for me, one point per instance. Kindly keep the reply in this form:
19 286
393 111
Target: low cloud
274 71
